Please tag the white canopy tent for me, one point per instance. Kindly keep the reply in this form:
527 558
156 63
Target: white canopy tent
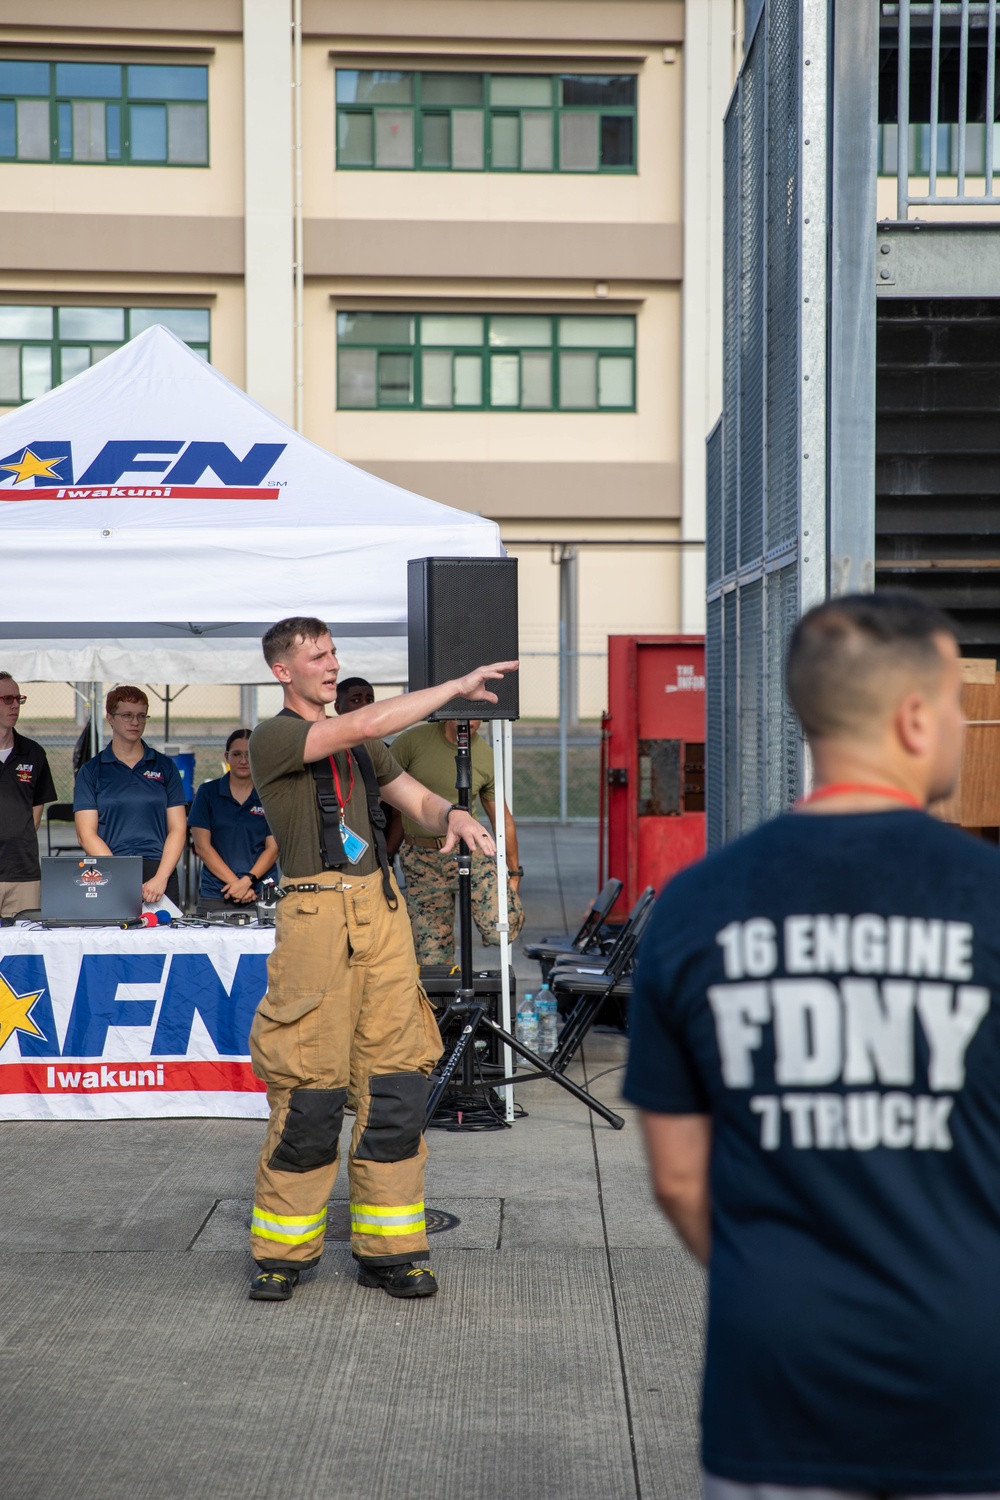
154 521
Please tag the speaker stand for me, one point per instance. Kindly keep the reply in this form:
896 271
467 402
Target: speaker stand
466 1006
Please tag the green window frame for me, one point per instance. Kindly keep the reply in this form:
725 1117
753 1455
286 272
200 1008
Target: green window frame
388 120
42 345
105 114
523 362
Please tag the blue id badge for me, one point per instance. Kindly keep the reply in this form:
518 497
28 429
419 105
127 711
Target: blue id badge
354 844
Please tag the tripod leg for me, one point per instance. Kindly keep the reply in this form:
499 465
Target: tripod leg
459 1051
545 1071
463 785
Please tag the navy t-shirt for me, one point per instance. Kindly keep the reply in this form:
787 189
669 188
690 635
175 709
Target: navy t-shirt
131 801
827 989
238 830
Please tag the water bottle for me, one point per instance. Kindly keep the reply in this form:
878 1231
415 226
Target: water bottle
548 1021
527 1023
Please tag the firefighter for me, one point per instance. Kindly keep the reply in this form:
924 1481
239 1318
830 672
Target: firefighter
344 1020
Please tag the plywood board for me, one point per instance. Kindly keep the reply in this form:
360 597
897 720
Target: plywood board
979 670
975 803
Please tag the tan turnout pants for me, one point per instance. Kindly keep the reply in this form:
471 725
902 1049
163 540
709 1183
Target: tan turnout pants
344 1021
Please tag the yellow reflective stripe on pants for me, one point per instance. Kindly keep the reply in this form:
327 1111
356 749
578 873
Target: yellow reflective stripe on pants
287 1229
371 1218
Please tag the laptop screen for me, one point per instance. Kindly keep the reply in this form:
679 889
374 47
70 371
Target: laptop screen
103 890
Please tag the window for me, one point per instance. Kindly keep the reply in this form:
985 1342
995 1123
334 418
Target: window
42 346
947 149
147 114
485 122
475 362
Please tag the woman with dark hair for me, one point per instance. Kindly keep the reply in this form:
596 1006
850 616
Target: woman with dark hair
129 799
230 833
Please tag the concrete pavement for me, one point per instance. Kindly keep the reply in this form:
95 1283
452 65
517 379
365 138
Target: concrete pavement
560 1358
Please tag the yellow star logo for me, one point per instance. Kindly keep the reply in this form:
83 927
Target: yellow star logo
14 1013
33 467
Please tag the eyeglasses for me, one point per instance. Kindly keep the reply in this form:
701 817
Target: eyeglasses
131 718
11 698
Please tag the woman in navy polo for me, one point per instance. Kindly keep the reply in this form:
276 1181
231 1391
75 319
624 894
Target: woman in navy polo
129 799
230 833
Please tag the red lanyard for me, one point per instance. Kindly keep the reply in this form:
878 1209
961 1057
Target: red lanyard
840 788
342 805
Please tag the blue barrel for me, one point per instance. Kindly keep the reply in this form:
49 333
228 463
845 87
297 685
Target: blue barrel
185 768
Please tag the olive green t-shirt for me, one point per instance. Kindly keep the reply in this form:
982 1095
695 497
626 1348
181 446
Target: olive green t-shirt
428 756
287 789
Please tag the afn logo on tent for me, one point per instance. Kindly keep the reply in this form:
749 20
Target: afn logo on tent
44 471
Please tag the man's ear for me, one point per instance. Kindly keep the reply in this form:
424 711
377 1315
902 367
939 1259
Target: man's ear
281 672
912 722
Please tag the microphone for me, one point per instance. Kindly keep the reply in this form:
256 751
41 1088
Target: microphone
148 919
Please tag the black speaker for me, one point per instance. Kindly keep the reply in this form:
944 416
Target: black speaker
463 614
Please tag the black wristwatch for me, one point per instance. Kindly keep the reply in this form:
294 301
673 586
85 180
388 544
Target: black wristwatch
454 807
515 870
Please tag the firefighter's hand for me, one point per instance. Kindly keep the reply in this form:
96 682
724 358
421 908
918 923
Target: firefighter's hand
474 684
462 825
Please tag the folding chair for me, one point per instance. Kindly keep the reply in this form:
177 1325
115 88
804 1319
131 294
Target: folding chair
592 986
60 812
587 939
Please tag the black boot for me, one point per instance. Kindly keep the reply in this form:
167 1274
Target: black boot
274 1286
406 1280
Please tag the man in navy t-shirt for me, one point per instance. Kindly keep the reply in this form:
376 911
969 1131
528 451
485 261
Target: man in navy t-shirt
816 1052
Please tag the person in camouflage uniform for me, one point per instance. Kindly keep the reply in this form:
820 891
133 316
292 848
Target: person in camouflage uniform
427 751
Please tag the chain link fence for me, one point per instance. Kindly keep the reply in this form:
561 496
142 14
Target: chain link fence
557 761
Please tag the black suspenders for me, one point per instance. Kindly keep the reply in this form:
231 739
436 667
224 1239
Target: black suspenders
376 817
330 842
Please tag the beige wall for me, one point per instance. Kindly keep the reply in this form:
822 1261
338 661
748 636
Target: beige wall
632 589
222 295
212 192
940 213
491 241
653 195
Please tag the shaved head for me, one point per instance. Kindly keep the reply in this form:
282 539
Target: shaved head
852 660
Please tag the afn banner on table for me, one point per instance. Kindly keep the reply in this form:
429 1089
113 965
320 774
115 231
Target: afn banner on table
104 1024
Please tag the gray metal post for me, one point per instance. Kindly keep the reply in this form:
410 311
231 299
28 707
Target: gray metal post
812 454
563 726
853 163
903 115
96 705
248 706
569 616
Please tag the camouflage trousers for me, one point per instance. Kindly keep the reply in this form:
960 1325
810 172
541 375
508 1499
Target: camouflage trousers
431 888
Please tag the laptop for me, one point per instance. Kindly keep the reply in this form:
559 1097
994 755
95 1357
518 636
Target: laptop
91 892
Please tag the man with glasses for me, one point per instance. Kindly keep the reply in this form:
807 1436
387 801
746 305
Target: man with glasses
25 785
129 799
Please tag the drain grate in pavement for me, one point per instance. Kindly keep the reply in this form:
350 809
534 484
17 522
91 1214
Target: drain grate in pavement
469 1223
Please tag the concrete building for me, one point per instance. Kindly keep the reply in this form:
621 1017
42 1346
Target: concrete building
474 248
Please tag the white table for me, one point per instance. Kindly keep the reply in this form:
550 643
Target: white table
97 1023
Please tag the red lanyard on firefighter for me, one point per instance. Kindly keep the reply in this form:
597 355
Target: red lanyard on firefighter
853 788
341 804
